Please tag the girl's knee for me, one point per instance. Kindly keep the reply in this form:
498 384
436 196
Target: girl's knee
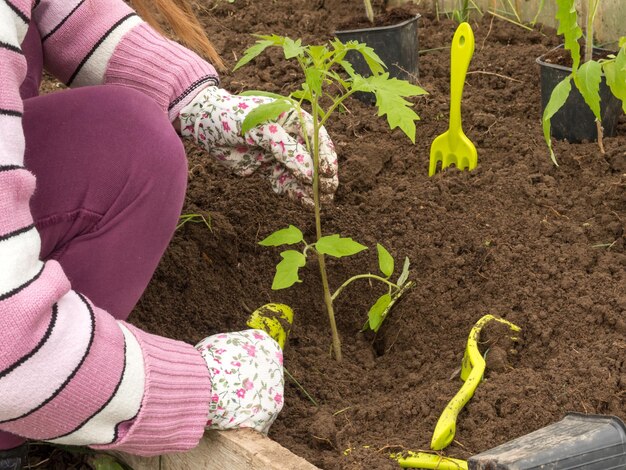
147 130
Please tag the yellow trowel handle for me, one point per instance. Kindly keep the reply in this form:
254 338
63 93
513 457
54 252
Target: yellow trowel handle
460 56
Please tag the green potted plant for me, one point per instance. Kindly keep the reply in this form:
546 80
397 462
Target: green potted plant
590 109
397 44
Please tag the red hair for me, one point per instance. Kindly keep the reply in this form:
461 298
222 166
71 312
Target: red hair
180 16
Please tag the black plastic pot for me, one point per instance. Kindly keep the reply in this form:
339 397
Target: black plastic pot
578 441
397 46
575 122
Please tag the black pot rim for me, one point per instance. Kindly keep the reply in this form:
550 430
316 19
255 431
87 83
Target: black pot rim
540 60
380 28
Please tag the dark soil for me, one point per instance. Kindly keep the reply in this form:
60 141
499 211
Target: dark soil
539 245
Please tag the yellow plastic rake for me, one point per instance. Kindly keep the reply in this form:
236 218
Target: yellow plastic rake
453 146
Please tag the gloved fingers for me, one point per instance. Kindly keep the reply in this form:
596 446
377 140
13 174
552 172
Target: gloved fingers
328 157
286 149
241 160
283 182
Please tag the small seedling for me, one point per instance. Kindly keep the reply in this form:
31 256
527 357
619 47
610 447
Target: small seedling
588 76
329 81
195 219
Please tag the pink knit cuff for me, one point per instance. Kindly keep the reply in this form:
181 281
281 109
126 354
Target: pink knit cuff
166 71
175 405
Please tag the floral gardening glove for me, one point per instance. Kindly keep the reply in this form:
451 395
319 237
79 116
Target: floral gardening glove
276 149
246 369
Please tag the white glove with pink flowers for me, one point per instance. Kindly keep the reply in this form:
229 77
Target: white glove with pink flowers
246 369
275 149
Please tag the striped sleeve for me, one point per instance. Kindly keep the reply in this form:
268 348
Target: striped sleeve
69 372
92 42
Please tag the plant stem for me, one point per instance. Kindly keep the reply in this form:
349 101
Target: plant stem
288 374
589 31
362 276
318 230
369 11
600 136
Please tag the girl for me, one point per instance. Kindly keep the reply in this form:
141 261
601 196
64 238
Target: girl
92 181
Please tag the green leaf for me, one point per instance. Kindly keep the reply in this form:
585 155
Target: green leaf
319 55
287 270
587 79
314 80
292 48
373 61
347 66
285 236
254 51
303 94
615 72
376 315
567 17
385 260
337 246
264 113
557 100
390 93
404 276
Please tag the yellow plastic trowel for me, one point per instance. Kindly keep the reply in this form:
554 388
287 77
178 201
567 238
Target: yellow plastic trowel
472 371
453 146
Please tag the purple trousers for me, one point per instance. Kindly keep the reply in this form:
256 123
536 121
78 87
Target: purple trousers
111 180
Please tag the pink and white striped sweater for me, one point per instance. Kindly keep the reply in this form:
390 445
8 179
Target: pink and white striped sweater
69 372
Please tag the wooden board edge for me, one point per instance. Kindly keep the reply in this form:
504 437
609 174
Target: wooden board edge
241 449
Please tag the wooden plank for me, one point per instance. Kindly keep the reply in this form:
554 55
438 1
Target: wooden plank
241 449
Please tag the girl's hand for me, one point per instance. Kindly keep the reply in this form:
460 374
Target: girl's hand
276 149
247 382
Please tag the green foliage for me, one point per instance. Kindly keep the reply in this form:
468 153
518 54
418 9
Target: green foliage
337 246
194 219
376 314
385 260
461 13
588 76
286 236
287 270
615 73
267 112
567 16
556 102
324 66
329 79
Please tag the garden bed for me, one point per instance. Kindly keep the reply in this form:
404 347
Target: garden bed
518 237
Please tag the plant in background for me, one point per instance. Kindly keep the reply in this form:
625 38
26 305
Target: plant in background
588 75
369 11
461 11
461 14
329 81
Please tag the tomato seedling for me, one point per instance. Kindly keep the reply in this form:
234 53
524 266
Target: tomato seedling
329 80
